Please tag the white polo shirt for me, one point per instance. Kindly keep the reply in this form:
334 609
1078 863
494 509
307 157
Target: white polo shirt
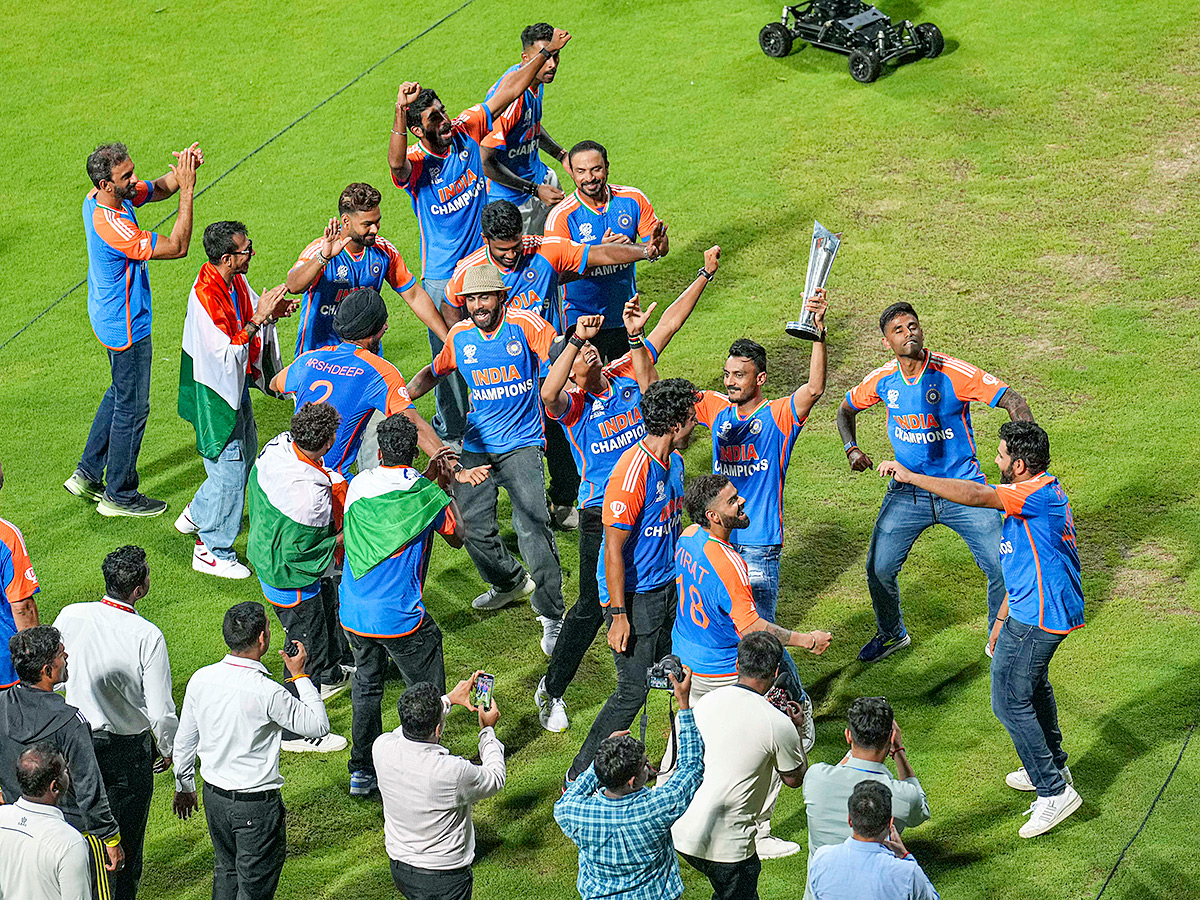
746 739
41 856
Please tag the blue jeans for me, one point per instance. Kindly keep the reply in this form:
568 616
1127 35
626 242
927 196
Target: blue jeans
115 439
763 566
905 513
1023 701
218 503
450 397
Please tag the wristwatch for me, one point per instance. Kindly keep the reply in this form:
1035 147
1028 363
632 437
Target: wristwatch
708 276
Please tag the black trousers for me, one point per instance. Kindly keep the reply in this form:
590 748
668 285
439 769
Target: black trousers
583 619
418 656
564 477
651 617
730 881
314 623
432 884
127 767
249 839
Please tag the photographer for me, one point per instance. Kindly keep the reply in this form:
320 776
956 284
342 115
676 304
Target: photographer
623 831
746 741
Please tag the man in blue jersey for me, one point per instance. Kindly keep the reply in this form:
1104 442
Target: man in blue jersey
643 503
928 398
119 309
511 160
443 173
500 351
1043 605
392 514
752 446
601 213
601 417
350 255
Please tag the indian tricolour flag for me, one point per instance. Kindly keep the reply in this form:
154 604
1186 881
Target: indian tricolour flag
294 505
217 357
386 507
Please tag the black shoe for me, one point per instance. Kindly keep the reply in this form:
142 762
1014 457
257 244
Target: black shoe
141 506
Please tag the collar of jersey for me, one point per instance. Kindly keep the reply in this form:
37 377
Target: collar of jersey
109 208
429 152
650 454
489 336
713 537
752 414
603 206
916 380
505 269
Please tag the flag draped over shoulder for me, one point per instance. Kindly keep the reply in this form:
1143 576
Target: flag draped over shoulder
386 507
217 356
295 505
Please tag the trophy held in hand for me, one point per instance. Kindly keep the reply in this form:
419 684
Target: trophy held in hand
820 260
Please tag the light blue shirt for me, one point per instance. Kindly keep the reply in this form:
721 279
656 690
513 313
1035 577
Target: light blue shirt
866 870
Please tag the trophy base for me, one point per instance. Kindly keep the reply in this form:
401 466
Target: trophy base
803 330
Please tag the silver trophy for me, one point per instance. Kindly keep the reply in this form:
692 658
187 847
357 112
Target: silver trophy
820 260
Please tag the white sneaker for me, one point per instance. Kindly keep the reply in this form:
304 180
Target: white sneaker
550 631
204 561
809 739
332 690
330 743
771 847
1046 812
494 599
552 711
565 518
1020 779
184 524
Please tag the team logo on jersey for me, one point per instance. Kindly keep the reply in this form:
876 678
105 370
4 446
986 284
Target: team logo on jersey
627 394
723 431
464 154
374 270
597 407
988 378
755 426
435 174
893 398
513 347
618 508
469 353
342 273
585 231
660 492
932 395
29 576
530 275
624 220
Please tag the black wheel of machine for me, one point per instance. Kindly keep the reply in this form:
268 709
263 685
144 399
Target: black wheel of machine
775 40
931 39
864 65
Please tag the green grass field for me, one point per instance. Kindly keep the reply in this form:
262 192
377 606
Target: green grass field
1031 191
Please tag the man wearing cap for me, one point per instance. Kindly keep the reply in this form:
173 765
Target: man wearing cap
499 352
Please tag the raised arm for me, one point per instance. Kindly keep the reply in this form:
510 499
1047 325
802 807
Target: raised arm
398 142
810 392
848 428
554 394
514 84
305 272
635 319
552 146
677 313
614 254
1018 410
175 245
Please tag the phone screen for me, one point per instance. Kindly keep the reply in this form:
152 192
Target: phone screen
481 694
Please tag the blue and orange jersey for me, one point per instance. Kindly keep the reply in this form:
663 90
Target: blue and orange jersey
386 601
20 583
118 279
644 496
605 289
448 194
716 604
289 597
600 427
533 282
929 416
753 453
355 382
501 370
1039 555
515 135
373 268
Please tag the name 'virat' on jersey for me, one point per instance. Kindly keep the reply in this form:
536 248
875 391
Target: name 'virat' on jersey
645 497
929 417
753 453
600 427
501 371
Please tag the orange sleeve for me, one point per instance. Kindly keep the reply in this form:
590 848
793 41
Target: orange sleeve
576 402
1014 496
122 235
565 255
338 487
504 122
625 494
445 362
475 122
709 404
454 285
557 223
971 383
864 394
416 160
397 393
648 219
783 411
731 569
398 274
538 332
449 523
24 583
143 192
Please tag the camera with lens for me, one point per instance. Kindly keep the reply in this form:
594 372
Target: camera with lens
658 675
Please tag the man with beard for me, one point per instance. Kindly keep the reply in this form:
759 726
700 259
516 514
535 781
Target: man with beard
600 412
349 255
500 351
510 153
928 398
443 173
119 308
1043 604
599 212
